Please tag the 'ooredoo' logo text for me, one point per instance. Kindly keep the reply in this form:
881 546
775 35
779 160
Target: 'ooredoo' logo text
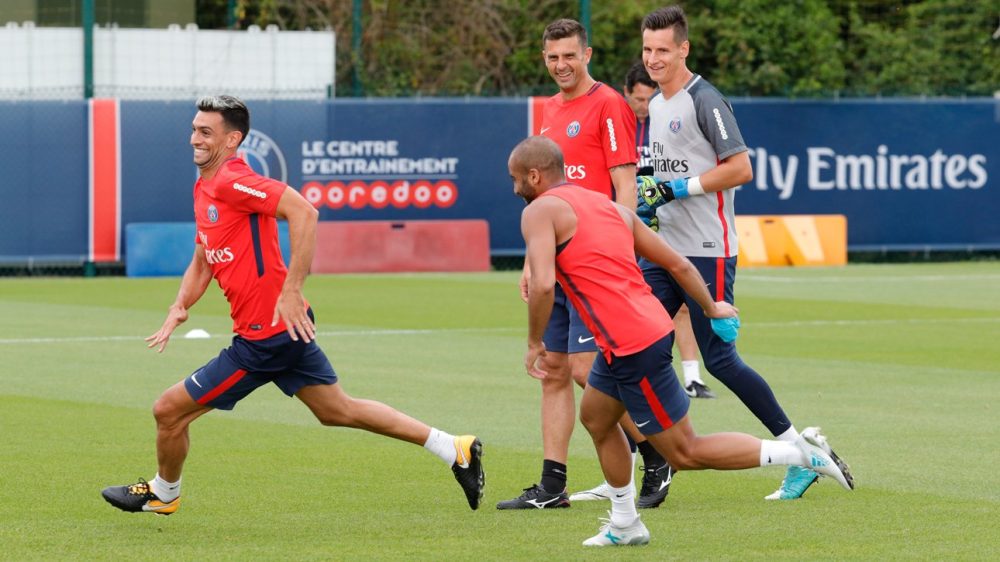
380 194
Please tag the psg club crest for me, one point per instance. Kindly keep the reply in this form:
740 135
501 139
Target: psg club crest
573 129
264 156
213 214
675 125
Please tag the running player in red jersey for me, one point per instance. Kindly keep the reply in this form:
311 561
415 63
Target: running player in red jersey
588 245
236 212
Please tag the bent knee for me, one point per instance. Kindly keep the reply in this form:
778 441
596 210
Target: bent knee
339 415
165 411
335 419
682 458
557 376
724 366
597 424
683 462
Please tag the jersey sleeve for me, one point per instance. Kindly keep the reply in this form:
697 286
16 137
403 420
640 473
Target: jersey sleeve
247 191
717 122
618 131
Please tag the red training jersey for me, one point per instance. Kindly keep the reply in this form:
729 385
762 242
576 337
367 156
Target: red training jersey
596 132
598 272
235 215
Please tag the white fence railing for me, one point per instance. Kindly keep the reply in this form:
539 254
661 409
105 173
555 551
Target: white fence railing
173 63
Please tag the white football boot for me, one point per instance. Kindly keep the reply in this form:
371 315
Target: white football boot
610 535
821 458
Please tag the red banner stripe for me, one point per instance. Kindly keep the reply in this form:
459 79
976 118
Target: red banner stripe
536 110
105 181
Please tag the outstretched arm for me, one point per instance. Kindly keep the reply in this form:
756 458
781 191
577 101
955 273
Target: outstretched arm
196 279
291 306
656 250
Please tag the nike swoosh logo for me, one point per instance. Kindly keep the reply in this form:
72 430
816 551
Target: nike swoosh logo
582 339
542 132
643 423
194 379
156 505
541 505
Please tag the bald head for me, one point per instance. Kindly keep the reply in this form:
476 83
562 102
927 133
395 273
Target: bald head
540 153
535 165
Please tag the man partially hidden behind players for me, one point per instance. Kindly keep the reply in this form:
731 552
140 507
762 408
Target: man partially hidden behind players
237 244
588 243
699 156
593 126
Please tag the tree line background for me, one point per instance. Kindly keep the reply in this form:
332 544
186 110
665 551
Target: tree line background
791 48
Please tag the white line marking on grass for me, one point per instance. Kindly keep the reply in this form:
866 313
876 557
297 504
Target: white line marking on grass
882 321
84 339
894 278
417 332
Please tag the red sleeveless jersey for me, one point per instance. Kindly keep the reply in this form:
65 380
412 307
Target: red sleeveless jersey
597 270
234 212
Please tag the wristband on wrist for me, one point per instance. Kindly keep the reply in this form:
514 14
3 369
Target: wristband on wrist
694 186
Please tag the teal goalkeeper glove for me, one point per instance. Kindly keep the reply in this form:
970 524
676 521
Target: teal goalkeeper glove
648 216
726 328
657 194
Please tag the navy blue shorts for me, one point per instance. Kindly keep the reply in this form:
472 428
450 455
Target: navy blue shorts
720 275
646 384
566 332
247 364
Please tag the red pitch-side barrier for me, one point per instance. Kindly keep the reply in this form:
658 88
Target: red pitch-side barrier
394 246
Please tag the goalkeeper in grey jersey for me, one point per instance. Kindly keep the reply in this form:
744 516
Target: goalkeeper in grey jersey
698 157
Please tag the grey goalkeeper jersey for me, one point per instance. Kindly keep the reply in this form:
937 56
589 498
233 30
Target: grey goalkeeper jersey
689 134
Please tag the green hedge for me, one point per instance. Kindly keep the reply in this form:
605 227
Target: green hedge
793 48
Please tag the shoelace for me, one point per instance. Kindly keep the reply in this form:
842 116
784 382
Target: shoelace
140 488
605 523
532 491
650 480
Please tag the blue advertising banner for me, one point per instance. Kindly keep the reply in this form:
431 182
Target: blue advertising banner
354 160
43 156
906 173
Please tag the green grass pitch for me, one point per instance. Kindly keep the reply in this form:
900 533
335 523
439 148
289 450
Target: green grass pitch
899 364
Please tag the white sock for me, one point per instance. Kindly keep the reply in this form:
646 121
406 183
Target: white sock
791 435
779 452
166 491
623 511
442 444
691 373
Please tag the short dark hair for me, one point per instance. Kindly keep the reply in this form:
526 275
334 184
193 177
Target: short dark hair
563 28
666 18
638 75
234 112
